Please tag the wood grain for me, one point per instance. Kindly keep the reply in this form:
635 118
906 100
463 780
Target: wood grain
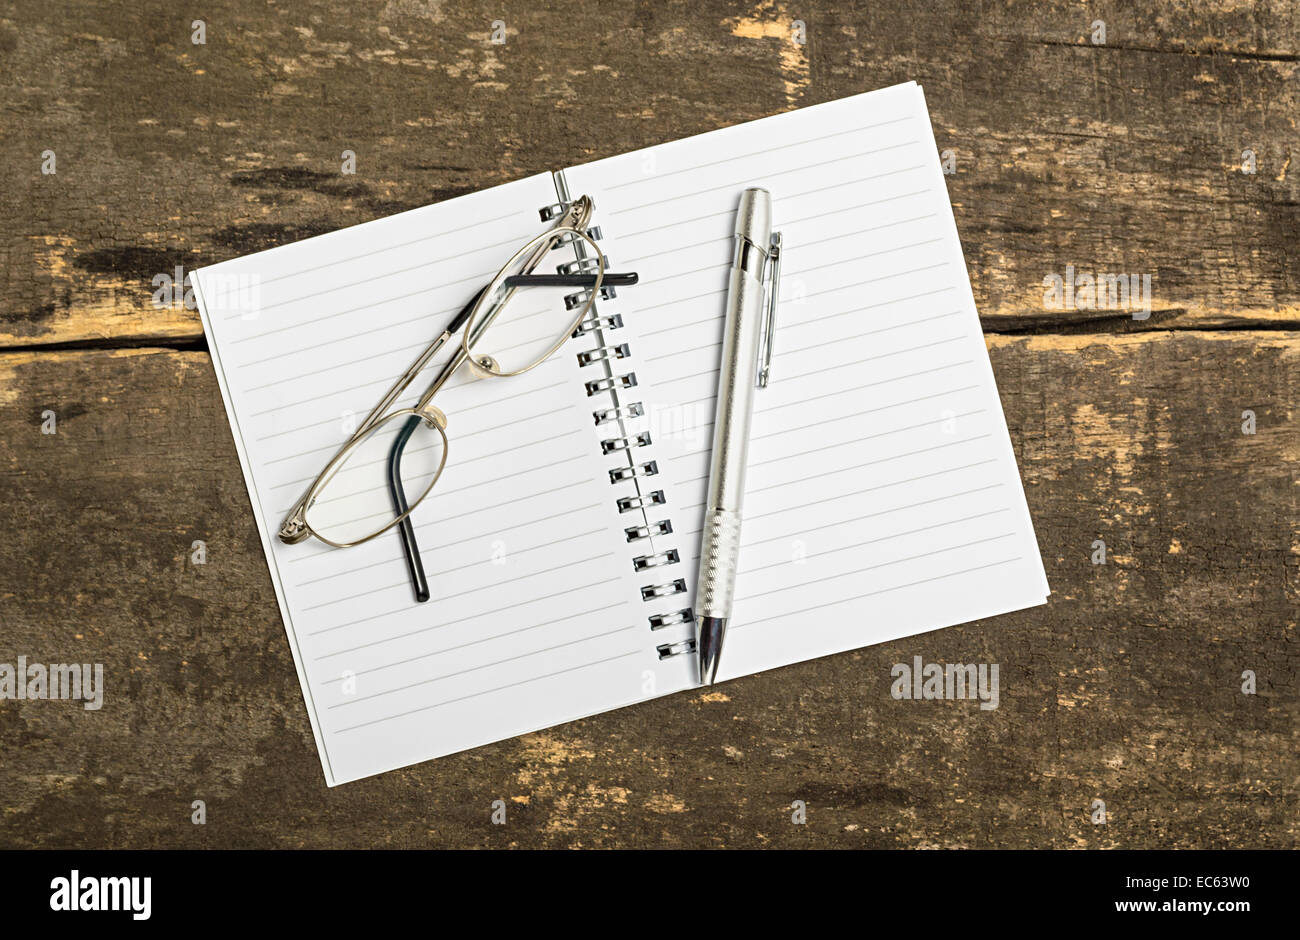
1125 157
1119 158
1125 687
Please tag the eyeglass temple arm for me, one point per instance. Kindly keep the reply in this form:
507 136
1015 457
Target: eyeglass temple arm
410 548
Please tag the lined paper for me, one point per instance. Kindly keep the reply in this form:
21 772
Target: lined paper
883 497
536 616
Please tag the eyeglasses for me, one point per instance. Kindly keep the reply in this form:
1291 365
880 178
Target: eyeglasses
392 462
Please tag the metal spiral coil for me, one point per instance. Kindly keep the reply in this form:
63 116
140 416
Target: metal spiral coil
680 648
596 386
606 415
601 353
611 322
642 562
659 621
615 444
582 266
662 527
669 588
621 474
628 503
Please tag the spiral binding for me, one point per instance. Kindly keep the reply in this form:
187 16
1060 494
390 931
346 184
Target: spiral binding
609 354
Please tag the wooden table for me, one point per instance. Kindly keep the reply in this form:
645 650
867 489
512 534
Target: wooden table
1122 157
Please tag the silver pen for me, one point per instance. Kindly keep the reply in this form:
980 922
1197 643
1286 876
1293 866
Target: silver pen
745 331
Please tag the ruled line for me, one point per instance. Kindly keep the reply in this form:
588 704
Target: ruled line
386 380
510 449
884 303
502 688
836 445
823 346
883 564
384 275
493 586
824 370
324 448
844 548
393 247
425 526
421 344
794 273
567 618
405 295
869 463
841 184
472 669
444 572
470 512
787 223
871 489
895 587
695 221
299 350
696 507
769 174
910 427
451 390
822 397
845 391
448 623
659 177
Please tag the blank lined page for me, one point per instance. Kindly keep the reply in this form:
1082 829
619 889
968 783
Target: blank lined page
883 497
535 617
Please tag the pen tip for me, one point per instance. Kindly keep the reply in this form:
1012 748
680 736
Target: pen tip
710 633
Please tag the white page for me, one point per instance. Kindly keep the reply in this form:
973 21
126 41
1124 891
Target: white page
536 616
882 497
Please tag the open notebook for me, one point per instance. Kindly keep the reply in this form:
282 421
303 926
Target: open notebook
883 497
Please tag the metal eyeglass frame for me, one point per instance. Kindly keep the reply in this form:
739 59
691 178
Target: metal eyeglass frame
475 320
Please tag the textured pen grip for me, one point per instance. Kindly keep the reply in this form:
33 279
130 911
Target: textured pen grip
719 551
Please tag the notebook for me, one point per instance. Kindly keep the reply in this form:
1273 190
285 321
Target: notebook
883 497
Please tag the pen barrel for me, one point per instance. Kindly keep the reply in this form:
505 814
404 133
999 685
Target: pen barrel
720 540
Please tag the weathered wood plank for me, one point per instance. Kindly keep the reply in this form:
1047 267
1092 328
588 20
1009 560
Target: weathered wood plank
1126 687
1123 158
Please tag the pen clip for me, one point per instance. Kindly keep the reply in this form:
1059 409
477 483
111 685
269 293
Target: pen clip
769 320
